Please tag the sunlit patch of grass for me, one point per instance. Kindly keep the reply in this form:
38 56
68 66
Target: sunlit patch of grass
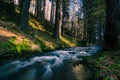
23 46
45 37
45 44
67 41
38 37
36 25
12 47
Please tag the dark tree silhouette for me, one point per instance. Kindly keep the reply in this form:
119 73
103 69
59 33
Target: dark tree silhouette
58 20
24 15
111 36
52 17
65 9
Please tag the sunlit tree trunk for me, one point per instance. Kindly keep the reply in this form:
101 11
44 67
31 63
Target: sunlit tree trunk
24 15
58 20
111 36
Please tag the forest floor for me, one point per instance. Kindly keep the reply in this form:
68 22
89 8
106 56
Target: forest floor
38 38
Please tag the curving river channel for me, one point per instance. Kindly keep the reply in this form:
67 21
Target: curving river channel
56 65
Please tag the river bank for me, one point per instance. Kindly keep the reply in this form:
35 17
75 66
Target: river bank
105 65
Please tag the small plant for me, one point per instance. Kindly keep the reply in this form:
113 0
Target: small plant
12 39
22 47
103 57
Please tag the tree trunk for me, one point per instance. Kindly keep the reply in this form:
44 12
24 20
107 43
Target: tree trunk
58 20
52 17
44 9
63 25
111 35
20 5
24 15
65 9
38 8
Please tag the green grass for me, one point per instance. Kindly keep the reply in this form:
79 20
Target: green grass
107 65
13 48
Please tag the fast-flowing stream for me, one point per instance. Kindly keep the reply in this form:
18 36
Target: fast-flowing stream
55 65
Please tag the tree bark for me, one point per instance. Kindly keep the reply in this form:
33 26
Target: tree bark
58 20
52 17
65 9
20 4
111 35
63 25
44 9
38 8
24 15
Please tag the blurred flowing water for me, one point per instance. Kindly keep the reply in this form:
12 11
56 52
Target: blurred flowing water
56 65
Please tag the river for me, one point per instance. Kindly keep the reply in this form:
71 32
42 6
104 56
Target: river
55 65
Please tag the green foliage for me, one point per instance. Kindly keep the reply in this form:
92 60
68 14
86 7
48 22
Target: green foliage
106 78
22 47
12 47
102 58
12 39
117 60
106 65
7 47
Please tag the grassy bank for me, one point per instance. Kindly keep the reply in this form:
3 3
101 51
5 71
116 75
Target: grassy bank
105 65
38 38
